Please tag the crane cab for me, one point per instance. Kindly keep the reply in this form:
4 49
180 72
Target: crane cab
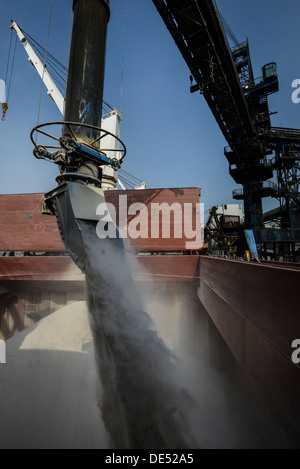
270 72
270 78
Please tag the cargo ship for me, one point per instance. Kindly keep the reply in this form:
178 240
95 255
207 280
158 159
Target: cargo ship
250 303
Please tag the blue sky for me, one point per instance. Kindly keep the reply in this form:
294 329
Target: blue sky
171 136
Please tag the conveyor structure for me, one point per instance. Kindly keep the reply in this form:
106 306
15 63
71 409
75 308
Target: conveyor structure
239 102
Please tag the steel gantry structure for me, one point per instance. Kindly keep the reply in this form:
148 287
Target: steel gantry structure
239 103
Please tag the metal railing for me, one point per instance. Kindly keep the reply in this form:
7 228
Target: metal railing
238 193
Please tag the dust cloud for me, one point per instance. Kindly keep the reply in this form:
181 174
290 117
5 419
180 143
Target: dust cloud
168 379
229 414
142 402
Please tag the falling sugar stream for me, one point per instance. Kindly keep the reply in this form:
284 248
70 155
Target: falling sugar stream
143 405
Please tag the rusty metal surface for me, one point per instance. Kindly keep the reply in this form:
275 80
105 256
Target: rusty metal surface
39 268
33 287
266 296
256 309
62 268
282 265
23 228
165 268
150 215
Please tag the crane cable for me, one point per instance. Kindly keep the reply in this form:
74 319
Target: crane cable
57 68
46 52
229 31
12 68
131 181
69 50
5 104
123 59
8 58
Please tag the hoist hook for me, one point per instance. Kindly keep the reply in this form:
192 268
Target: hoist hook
4 109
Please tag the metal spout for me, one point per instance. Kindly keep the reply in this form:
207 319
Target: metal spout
77 197
76 206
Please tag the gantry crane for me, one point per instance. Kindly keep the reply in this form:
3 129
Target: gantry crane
239 103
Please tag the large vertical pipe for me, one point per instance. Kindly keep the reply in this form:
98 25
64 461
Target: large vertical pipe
87 62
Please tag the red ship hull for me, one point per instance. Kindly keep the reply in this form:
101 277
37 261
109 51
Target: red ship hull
254 306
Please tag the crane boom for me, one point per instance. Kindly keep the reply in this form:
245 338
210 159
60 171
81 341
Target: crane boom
110 123
53 91
198 33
